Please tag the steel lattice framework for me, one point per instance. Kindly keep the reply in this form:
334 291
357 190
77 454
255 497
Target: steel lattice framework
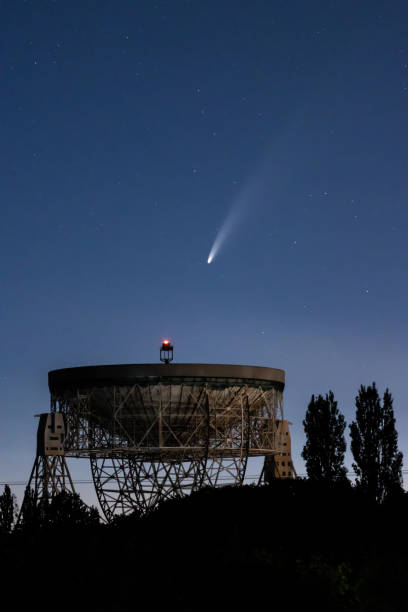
157 431
50 476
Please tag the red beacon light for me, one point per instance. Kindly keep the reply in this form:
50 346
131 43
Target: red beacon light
166 351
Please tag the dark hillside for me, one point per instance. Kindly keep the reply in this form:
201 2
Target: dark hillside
291 543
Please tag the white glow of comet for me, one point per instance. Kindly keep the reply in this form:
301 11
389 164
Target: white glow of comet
236 214
225 230
270 177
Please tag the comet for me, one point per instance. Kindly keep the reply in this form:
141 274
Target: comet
225 230
237 213
269 177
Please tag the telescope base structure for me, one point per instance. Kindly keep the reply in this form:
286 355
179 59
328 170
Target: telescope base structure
156 432
126 485
50 476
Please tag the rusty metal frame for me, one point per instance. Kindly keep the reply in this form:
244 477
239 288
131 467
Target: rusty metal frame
154 441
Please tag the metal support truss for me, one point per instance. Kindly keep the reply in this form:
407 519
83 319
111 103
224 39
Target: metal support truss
125 484
154 441
49 477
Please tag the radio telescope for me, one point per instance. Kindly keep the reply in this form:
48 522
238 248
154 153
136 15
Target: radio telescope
156 431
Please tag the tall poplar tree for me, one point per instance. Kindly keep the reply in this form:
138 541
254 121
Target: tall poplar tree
8 510
374 444
325 445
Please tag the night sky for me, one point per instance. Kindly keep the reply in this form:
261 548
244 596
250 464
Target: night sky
131 130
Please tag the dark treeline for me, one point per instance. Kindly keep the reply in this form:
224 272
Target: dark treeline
290 543
374 443
320 542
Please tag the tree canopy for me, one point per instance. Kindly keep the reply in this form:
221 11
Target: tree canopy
65 510
374 444
8 510
325 444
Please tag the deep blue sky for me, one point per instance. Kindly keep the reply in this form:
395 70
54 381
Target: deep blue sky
129 130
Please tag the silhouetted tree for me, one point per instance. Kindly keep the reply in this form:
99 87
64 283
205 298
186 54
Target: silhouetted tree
325 444
68 510
65 510
8 510
31 513
374 444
